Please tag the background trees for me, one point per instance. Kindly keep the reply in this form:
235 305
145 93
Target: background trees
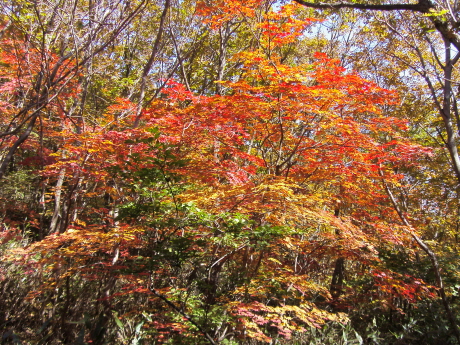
422 40
186 172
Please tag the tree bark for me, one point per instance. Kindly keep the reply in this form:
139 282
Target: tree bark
149 64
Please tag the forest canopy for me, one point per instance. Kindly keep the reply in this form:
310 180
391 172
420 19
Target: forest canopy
229 172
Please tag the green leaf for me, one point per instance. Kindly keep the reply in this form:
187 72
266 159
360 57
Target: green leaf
117 320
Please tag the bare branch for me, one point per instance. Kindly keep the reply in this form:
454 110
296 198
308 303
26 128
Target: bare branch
423 6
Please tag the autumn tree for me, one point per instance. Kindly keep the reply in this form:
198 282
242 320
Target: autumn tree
209 185
424 43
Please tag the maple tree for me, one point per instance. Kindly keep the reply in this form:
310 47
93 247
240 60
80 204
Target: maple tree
421 39
245 201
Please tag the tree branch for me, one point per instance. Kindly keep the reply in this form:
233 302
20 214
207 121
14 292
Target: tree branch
434 261
17 143
422 6
181 312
